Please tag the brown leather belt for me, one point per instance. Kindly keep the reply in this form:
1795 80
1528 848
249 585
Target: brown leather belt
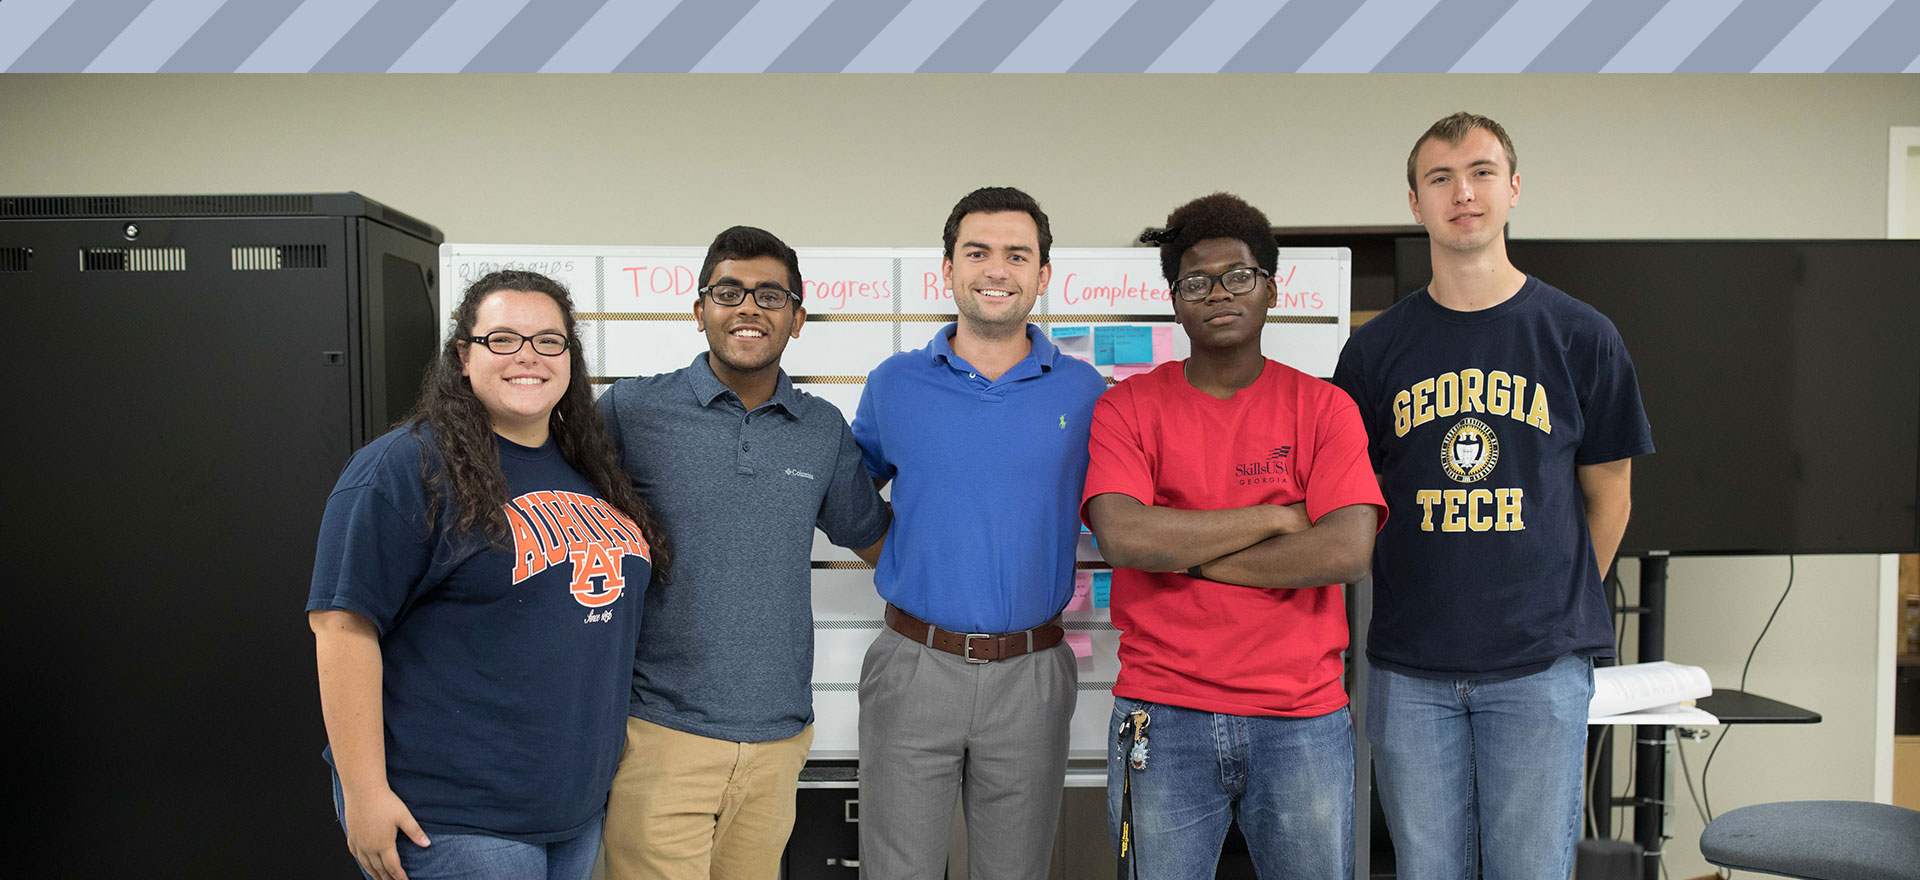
976 647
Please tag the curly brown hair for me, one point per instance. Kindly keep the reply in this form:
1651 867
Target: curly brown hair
466 478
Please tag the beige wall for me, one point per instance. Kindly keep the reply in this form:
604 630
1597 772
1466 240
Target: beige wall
845 160
851 160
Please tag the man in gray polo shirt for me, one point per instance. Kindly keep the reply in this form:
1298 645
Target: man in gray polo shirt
741 467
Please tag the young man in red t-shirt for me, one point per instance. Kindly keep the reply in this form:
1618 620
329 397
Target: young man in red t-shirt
1232 494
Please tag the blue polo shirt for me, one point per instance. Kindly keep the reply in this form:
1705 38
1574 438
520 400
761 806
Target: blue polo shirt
986 482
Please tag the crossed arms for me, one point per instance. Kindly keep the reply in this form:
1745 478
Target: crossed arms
1265 545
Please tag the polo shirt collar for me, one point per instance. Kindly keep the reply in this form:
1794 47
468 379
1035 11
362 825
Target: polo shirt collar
1044 351
707 387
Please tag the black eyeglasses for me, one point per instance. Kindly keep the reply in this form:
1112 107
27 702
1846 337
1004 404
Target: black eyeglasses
772 299
1194 288
509 342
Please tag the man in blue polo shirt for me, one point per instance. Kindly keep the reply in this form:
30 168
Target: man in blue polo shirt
984 435
741 467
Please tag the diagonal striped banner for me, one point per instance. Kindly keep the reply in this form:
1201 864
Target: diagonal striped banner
961 36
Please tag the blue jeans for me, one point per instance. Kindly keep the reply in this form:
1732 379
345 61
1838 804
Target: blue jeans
1289 781
485 857
1481 776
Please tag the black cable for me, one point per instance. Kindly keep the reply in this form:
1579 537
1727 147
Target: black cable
1763 630
1704 796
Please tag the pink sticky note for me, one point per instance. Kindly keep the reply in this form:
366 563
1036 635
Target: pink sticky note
1123 371
1081 643
1162 343
1082 592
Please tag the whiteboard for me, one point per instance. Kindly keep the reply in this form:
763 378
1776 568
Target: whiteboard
634 307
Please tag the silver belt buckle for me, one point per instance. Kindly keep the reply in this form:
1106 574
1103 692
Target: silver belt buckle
967 647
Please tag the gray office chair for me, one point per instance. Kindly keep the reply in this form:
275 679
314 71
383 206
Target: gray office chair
1817 840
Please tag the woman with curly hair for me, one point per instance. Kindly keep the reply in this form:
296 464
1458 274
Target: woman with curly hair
475 601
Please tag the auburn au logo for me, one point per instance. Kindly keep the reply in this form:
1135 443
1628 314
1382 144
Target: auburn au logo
550 528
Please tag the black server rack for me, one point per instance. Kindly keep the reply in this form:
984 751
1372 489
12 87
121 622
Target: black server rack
191 373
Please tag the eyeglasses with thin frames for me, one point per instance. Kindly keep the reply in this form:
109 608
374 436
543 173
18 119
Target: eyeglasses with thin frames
509 342
1194 288
772 299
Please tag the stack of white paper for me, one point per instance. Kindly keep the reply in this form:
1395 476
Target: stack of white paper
1639 687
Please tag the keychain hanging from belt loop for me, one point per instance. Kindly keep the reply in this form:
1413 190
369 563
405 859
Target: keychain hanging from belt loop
1133 738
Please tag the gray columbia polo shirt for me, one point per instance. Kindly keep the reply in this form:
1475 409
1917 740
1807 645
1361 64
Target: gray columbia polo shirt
726 649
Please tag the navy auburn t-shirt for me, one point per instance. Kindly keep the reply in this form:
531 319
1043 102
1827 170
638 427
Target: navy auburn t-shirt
507 668
1477 422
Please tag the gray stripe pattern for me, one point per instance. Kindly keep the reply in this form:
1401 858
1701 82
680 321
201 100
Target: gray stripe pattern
153 36
1139 37
1292 36
1746 36
381 36
684 37
78 36
229 36
451 41
1822 36
836 35
1892 42
1595 36
533 36
1064 36
760 36
1443 36
1663 43
961 36
23 23
988 36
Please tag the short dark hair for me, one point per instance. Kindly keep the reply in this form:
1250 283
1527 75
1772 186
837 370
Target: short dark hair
1454 129
994 200
749 242
1221 215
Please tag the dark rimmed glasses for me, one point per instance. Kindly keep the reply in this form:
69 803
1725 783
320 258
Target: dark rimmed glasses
509 342
1194 288
772 299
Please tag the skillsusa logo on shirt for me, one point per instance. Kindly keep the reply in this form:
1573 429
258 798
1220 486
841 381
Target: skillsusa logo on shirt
551 528
1271 467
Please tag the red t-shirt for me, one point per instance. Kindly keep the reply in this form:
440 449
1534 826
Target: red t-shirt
1219 647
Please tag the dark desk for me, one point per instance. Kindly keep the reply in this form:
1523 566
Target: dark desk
1740 707
1650 740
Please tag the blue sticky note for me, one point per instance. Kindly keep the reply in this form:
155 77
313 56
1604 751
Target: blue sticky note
1102 586
1133 345
1065 332
1103 344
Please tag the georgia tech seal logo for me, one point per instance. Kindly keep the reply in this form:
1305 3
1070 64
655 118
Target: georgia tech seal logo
1469 451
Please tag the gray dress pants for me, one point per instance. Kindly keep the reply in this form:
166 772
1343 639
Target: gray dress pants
934 727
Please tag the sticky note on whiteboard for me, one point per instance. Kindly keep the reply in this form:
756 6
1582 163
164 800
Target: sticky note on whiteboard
1103 344
1081 643
1133 345
1074 342
1102 588
1082 592
1128 371
1162 343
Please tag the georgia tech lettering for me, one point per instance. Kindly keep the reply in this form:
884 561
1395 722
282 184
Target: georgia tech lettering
550 528
1470 449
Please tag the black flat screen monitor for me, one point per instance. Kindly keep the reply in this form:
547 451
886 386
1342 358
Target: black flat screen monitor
1782 379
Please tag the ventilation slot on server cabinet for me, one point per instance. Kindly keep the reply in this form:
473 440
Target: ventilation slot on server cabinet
157 259
152 206
280 256
16 259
